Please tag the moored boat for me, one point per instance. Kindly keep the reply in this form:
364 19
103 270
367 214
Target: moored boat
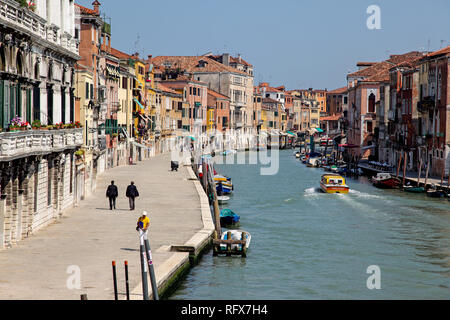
236 235
412 189
386 181
332 183
228 217
435 193
223 199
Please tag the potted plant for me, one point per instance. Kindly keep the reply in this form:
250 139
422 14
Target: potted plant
36 124
78 124
25 126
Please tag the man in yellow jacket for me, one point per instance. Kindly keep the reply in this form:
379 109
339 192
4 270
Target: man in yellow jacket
143 222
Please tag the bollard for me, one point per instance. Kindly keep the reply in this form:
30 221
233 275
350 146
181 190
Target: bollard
151 268
143 269
127 284
115 280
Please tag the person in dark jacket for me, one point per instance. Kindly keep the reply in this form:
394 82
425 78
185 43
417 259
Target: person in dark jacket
132 194
112 193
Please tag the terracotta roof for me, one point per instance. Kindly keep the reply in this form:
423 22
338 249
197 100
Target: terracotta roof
217 94
338 91
164 88
193 64
380 70
119 54
269 100
86 10
439 52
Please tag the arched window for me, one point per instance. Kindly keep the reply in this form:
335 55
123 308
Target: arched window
372 103
19 64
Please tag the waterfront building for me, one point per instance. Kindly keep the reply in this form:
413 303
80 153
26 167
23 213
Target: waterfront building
171 116
337 107
363 94
433 101
220 77
219 106
38 52
247 113
195 102
92 95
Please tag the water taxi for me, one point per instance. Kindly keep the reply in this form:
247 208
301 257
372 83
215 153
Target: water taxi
332 183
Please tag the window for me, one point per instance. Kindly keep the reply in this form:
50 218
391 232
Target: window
87 90
372 103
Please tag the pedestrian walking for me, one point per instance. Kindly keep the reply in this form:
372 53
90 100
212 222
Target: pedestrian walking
132 193
112 193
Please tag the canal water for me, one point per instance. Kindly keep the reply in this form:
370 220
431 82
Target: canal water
308 245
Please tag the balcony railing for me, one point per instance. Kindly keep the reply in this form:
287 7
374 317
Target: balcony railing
27 20
20 144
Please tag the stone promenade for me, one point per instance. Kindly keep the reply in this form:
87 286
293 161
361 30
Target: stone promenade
89 237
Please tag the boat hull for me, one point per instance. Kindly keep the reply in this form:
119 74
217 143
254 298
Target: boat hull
334 189
392 183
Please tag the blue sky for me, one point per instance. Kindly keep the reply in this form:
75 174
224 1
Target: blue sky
296 43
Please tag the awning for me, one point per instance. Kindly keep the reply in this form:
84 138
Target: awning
140 105
290 133
319 130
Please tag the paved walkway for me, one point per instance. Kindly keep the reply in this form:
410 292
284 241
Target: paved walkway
91 237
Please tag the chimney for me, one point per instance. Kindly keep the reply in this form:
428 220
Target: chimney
226 59
149 59
96 5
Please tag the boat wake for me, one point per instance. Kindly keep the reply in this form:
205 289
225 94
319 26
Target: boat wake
312 192
363 195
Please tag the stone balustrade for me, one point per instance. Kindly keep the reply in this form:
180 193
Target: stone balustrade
19 144
25 19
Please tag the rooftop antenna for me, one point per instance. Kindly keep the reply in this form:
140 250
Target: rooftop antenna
136 43
428 45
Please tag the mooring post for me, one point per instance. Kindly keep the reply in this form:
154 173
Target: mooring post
127 284
115 280
143 269
151 268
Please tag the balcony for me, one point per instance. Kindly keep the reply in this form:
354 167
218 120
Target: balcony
25 20
21 144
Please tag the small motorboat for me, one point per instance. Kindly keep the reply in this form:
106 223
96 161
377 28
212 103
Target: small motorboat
236 235
386 181
223 199
228 218
332 183
298 154
412 189
435 193
224 185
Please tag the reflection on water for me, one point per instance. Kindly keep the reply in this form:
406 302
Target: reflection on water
311 245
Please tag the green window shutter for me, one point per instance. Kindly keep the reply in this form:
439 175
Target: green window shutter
29 116
19 100
2 104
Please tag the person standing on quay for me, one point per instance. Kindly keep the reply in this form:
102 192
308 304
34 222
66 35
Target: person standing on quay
132 194
112 193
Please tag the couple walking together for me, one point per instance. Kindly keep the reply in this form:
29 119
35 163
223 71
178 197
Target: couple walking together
112 193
